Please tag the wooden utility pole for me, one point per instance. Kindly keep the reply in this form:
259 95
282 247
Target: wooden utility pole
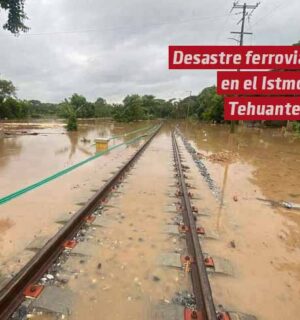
245 7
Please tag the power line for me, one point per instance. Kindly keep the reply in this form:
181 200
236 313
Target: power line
224 26
251 29
269 13
222 29
137 27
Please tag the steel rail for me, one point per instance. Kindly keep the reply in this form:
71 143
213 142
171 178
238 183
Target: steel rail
12 294
200 282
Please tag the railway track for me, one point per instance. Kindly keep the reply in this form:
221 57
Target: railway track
26 281
195 258
195 261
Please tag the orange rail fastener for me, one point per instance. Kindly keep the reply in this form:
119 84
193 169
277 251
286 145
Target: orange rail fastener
200 230
190 314
209 262
183 228
70 244
90 219
33 291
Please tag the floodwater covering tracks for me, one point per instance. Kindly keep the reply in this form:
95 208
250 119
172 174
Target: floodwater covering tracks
201 286
12 294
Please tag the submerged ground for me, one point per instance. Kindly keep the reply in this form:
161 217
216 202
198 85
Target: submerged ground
261 240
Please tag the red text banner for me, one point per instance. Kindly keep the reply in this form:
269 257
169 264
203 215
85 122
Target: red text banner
234 57
258 83
262 108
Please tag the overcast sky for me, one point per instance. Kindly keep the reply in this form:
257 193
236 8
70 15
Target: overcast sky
110 48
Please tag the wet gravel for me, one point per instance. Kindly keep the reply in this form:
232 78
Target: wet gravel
52 276
201 166
185 299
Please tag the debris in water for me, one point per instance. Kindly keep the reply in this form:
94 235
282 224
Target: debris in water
155 278
223 157
85 140
284 204
232 244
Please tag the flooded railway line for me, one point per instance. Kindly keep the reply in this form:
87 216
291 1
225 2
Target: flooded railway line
195 261
163 275
26 283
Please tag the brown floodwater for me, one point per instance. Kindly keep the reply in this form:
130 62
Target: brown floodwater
131 283
260 239
26 159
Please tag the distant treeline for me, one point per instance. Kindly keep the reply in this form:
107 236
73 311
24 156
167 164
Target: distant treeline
206 106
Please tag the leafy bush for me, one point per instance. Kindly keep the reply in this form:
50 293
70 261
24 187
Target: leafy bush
72 122
296 126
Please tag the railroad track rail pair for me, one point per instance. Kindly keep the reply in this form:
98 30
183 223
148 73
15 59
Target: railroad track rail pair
201 287
198 262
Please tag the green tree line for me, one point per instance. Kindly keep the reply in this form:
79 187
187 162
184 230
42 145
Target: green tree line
207 105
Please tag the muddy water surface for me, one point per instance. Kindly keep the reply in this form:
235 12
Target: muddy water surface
26 159
131 283
260 238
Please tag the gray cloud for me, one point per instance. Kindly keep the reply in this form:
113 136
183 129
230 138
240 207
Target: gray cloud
113 48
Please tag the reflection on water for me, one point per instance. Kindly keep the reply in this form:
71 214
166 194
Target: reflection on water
273 158
264 163
24 159
262 241
8 148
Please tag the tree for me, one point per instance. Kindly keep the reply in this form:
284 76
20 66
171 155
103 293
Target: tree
131 110
210 105
67 110
186 107
7 89
72 122
166 108
102 108
118 112
82 108
38 109
76 106
16 16
133 107
77 101
8 105
14 109
150 106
